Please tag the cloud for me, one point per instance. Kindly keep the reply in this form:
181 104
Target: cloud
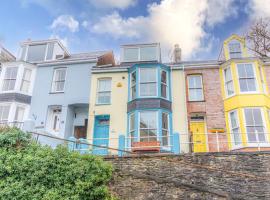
65 22
169 22
117 26
259 9
113 4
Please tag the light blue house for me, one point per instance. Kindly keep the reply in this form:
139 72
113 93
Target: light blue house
60 98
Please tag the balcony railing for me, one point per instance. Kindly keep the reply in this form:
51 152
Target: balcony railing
11 124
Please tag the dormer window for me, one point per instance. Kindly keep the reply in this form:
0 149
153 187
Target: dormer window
36 53
235 49
137 53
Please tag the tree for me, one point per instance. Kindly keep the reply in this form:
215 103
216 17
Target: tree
259 37
30 171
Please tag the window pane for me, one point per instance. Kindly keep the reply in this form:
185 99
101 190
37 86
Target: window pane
195 95
164 121
148 53
249 117
241 71
148 89
228 75
243 85
236 136
163 90
148 75
233 119
133 78
19 114
251 84
247 79
133 92
164 77
11 73
143 135
4 112
104 85
130 54
59 80
36 53
50 51
104 97
148 120
230 90
132 122
257 117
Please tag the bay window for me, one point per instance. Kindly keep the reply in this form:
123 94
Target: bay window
195 88
104 91
19 115
247 78
228 81
255 127
10 78
148 82
26 80
59 78
234 126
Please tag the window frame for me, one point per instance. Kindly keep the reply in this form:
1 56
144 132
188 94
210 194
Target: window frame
157 123
241 50
200 88
168 130
139 53
231 129
166 84
156 82
133 85
258 143
132 138
1 113
226 82
25 57
9 79
109 91
24 109
53 80
255 79
27 81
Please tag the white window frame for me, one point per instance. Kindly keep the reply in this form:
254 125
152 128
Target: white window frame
7 120
27 48
201 80
139 119
24 108
169 132
231 128
53 81
139 82
166 84
4 75
241 49
225 82
255 77
29 81
129 125
133 85
261 144
109 91
139 53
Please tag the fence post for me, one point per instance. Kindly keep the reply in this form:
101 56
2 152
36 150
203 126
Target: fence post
176 143
84 146
121 145
71 143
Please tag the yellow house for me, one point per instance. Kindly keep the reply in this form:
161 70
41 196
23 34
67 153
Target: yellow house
246 97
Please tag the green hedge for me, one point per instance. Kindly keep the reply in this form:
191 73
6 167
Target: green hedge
30 171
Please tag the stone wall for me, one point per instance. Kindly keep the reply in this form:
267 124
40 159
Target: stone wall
232 175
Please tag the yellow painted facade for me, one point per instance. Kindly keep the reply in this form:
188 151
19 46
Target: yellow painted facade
117 109
240 100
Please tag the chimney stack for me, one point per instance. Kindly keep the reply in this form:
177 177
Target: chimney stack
177 54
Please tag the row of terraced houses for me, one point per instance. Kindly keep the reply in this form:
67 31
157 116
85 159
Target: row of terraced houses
141 104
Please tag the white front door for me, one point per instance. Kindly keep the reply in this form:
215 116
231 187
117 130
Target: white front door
55 120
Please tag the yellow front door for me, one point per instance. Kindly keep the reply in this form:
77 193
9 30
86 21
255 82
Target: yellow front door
197 130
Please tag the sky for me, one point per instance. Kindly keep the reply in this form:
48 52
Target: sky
198 26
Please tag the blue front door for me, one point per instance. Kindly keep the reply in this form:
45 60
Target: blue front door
101 134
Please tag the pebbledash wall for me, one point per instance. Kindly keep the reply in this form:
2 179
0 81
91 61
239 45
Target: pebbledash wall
206 176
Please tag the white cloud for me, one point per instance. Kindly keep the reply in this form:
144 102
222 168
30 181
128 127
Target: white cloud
259 8
110 4
65 22
169 22
118 27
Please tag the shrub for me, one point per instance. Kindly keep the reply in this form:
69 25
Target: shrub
31 171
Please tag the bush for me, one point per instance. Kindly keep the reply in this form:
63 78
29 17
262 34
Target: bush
31 171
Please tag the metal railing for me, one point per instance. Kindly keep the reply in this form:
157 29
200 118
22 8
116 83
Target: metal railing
210 142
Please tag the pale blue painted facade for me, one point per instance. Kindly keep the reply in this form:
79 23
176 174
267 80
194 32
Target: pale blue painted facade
74 101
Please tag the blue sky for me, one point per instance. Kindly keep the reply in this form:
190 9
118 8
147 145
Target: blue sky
198 26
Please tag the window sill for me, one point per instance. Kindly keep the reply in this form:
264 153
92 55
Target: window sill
196 101
102 104
56 92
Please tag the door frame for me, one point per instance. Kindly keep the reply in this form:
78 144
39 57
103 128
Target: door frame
205 127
